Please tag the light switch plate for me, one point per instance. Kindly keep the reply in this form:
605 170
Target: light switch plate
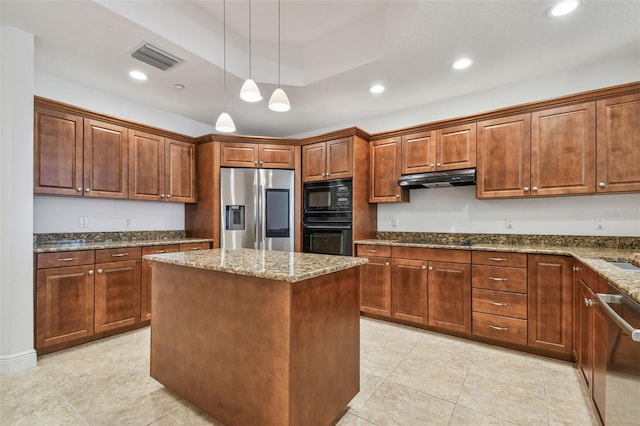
599 223
84 222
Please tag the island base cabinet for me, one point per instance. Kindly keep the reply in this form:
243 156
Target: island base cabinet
117 292
64 305
254 351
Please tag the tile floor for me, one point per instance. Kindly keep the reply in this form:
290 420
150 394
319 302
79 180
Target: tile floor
408 377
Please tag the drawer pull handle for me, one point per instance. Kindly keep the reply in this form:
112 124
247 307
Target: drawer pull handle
373 251
498 304
161 251
495 327
67 259
194 248
497 279
120 255
498 259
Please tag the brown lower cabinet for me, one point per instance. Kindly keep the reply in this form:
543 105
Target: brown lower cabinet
87 294
409 290
375 284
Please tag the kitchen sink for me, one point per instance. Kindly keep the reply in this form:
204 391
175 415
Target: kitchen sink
626 266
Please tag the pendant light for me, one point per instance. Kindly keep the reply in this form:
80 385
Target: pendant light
225 123
249 91
279 101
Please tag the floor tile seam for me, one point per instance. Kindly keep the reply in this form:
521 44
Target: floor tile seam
505 383
73 407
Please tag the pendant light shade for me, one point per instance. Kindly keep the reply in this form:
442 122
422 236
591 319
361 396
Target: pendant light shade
225 124
250 91
279 101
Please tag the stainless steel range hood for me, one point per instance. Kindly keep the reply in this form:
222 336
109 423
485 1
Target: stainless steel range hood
461 177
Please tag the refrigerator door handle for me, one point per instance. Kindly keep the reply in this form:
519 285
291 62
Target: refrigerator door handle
256 213
261 215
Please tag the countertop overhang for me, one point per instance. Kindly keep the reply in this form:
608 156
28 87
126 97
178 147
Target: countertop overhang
274 265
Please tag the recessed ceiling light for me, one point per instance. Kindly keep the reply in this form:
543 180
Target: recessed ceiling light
138 75
564 7
462 63
376 88
179 86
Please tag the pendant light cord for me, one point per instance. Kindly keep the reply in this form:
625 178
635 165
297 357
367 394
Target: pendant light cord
279 43
249 38
224 53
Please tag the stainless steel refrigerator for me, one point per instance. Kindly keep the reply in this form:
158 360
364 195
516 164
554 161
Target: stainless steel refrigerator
257 208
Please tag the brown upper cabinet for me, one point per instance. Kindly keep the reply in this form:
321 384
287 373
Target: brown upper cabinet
327 160
268 156
443 149
161 168
618 147
385 155
550 152
79 156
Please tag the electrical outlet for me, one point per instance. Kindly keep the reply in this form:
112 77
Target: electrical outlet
599 223
508 223
127 222
394 222
84 222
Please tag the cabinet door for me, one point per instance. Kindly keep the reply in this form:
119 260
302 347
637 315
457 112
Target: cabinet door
503 157
117 295
64 304
385 171
456 147
180 171
563 150
585 362
550 303
450 296
57 153
375 286
418 152
146 166
314 162
238 154
106 161
340 159
618 144
409 290
276 156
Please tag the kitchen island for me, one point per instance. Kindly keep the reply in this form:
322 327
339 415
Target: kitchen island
257 337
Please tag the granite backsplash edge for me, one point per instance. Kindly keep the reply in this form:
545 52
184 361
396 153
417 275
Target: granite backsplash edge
107 236
625 243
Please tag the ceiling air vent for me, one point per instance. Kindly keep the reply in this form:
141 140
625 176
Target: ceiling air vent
155 57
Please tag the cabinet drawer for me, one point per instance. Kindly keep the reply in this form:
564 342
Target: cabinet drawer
194 246
67 258
437 255
373 251
500 328
167 248
515 260
502 279
500 303
114 255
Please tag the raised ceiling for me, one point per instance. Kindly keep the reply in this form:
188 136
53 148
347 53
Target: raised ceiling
332 51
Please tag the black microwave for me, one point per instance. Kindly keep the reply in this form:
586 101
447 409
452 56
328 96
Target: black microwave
328 196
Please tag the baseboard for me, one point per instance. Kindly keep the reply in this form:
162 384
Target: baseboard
10 364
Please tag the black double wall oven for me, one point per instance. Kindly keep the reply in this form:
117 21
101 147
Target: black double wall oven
328 217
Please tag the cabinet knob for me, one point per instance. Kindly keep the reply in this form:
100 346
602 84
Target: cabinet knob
588 302
79 189
386 264
161 195
87 190
438 164
576 268
261 162
431 268
423 267
255 162
526 188
431 165
168 196
90 271
535 188
99 271
397 195
601 185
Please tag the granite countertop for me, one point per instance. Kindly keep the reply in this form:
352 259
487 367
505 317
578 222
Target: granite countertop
274 265
53 247
596 258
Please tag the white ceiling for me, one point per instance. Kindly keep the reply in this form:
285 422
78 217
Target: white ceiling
332 51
